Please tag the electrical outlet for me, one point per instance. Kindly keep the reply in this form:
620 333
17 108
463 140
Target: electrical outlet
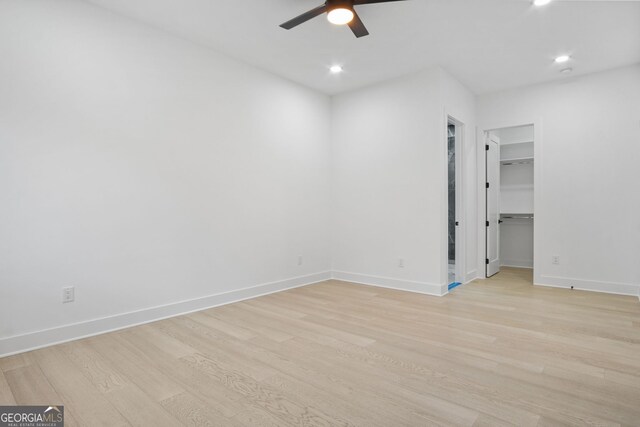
555 259
68 294
401 262
299 259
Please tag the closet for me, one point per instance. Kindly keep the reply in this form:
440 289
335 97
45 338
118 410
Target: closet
516 196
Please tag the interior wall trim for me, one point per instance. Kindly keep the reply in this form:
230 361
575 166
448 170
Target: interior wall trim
392 283
60 334
590 285
471 276
518 263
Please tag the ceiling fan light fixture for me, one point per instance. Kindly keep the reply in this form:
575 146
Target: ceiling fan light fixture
339 12
541 2
340 16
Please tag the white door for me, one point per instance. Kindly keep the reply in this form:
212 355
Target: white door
493 204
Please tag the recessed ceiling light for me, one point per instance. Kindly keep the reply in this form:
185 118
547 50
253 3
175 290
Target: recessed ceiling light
562 58
541 2
340 16
335 69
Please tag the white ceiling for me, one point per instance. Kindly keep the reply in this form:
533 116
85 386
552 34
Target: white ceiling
487 44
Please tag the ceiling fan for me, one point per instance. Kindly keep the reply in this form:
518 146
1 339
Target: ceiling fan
339 12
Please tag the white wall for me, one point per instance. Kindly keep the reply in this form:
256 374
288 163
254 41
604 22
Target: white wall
587 142
516 243
389 180
145 171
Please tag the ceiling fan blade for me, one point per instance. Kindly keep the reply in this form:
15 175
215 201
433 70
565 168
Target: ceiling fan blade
359 2
357 26
304 17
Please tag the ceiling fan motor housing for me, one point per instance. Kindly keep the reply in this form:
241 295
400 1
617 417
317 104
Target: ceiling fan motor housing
339 4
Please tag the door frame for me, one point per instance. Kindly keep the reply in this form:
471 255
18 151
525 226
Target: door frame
460 202
538 154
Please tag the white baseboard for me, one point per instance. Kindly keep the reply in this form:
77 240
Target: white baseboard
519 263
34 340
471 276
392 283
590 285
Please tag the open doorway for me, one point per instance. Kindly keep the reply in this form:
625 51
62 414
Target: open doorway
509 198
454 203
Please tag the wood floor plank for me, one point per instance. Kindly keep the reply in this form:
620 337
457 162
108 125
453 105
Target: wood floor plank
266 397
31 387
256 324
192 411
494 352
139 409
363 414
146 376
356 390
222 326
16 361
216 395
208 342
426 390
6 395
255 416
133 403
89 406
93 365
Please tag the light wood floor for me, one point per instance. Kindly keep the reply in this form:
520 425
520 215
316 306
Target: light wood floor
494 352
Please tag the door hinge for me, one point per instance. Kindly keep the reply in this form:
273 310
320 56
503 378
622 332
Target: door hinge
487 223
487 185
487 261
486 147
